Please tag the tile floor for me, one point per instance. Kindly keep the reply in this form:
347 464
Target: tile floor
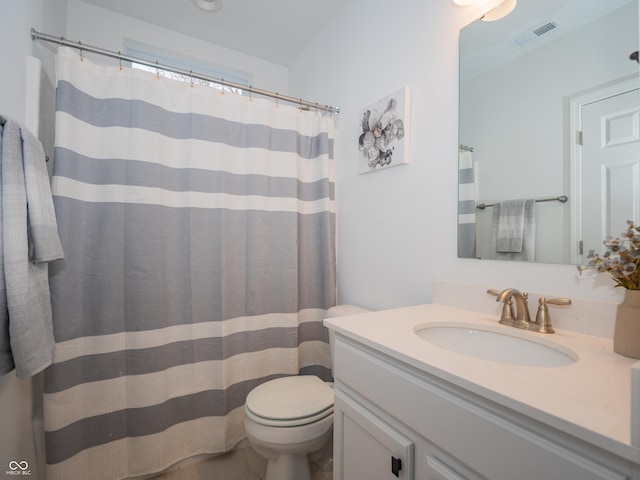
243 463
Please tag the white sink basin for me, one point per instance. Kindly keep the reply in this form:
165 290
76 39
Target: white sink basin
505 345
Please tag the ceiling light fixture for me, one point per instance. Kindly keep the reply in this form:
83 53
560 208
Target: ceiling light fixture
501 11
208 5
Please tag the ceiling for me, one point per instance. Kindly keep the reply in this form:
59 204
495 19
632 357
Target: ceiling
274 30
485 45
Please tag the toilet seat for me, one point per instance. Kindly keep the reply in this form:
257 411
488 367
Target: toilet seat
290 401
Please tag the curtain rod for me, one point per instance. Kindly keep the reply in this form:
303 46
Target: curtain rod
561 199
35 35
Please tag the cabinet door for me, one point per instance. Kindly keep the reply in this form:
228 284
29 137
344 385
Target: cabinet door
438 470
366 448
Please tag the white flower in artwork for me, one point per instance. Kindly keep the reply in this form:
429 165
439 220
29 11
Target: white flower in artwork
379 132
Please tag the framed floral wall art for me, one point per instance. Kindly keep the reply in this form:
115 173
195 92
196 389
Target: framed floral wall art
384 139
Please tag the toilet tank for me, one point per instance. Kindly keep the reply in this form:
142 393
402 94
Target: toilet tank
341 311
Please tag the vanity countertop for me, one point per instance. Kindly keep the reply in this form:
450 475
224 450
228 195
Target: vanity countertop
590 399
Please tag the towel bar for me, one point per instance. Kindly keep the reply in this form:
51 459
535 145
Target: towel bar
561 199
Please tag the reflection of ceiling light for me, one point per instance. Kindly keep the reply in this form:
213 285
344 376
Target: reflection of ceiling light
501 11
208 5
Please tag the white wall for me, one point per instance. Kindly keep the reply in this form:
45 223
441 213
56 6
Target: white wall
397 227
16 22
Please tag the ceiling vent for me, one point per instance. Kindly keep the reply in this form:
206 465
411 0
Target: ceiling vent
535 33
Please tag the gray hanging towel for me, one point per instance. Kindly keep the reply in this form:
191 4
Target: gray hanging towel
514 230
29 240
509 216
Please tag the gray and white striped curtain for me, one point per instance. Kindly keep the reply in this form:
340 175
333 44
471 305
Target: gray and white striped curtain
199 239
466 206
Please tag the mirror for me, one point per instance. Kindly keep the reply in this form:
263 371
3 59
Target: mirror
527 82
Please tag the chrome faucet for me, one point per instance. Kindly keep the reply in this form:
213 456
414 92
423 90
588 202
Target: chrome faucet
522 319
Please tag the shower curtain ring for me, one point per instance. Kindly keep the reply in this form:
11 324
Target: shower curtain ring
191 77
120 59
81 55
277 99
157 70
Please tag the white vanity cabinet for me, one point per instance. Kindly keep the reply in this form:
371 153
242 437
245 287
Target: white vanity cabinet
394 421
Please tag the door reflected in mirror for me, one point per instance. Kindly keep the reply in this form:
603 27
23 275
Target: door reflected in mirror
549 109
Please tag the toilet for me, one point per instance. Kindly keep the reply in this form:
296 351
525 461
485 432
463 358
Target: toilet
288 418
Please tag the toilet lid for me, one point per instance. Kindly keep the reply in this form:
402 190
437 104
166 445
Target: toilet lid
290 401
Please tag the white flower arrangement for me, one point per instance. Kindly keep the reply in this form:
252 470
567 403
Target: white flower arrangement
621 260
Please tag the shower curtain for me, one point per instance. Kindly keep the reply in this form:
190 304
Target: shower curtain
199 237
466 206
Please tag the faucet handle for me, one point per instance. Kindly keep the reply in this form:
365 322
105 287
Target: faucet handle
559 301
496 293
543 317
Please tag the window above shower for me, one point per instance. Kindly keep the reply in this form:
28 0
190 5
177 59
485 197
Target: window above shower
197 66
